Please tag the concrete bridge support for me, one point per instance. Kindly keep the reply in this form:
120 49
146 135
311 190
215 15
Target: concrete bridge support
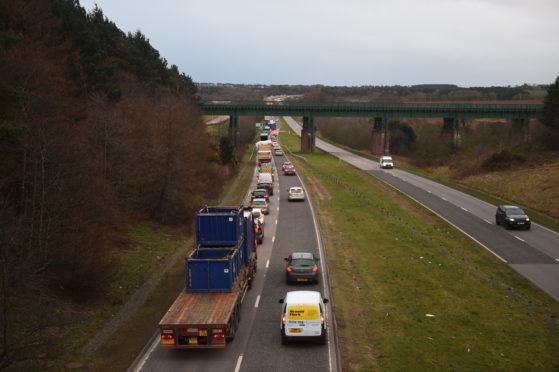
523 126
234 132
380 143
451 130
308 134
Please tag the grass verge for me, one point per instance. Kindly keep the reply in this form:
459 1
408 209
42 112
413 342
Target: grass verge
535 215
145 250
411 292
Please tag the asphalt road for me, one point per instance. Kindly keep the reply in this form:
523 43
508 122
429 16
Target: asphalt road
289 227
534 253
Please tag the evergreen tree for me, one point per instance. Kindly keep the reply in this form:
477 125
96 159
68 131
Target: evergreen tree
550 110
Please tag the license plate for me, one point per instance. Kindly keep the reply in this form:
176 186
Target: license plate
302 279
193 340
203 332
295 331
520 223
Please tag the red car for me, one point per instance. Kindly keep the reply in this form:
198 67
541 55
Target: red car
289 170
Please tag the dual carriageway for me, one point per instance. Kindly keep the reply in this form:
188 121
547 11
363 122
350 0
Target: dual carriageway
292 226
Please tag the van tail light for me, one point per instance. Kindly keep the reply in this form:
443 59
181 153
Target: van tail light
322 319
288 269
283 319
315 269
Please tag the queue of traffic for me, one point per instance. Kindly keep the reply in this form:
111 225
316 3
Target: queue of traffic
221 267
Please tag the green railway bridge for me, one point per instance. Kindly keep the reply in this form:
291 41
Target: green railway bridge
450 113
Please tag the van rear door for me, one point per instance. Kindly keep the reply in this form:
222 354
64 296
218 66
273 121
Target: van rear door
303 320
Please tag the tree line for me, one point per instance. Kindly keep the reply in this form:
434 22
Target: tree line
96 132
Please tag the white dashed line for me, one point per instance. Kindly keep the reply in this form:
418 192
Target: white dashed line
276 222
489 222
443 198
239 361
273 238
267 264
464 209
277 209
522 240
429 191
257 301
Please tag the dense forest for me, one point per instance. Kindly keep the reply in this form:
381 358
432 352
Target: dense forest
96 132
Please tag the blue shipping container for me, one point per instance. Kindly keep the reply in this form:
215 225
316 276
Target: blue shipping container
213 269
219 226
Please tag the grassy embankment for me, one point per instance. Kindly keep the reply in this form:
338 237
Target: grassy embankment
392 262
149 249
534 188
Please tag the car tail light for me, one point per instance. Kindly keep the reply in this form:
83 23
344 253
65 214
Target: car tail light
289 269
315 269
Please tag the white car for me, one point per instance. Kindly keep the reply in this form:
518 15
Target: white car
296 193
386 162
303 317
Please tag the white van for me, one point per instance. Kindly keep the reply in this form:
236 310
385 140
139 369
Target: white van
303 317
386 162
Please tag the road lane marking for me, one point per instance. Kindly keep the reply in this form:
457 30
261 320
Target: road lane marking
489 222
146 357
277 209
443 198
273 238
522 240
239 361
276 222
429 191
257 301
267 264
464 209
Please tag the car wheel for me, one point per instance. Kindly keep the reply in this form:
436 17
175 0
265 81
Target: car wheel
322 340
284 340
528 227
497 222
507 226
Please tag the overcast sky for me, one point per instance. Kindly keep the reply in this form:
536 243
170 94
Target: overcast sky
350 42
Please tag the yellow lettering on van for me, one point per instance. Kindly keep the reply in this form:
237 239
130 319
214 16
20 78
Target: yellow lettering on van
302 313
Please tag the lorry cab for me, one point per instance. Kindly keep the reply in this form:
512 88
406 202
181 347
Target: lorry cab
303 317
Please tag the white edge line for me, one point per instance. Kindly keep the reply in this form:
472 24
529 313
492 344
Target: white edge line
239 362
447 221
147 355
464 209
519 238
257 301
489 222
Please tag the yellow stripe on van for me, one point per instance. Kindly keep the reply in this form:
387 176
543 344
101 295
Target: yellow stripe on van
302 313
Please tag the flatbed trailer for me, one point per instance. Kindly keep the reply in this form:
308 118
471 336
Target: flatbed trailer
206 320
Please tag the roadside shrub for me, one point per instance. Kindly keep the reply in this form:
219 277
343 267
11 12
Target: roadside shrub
502 160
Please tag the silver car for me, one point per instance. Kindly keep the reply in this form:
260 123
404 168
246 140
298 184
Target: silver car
296 193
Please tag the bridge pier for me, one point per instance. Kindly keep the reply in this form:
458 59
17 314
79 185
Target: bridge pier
308 134
234 132
451 130
380 143
522 125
